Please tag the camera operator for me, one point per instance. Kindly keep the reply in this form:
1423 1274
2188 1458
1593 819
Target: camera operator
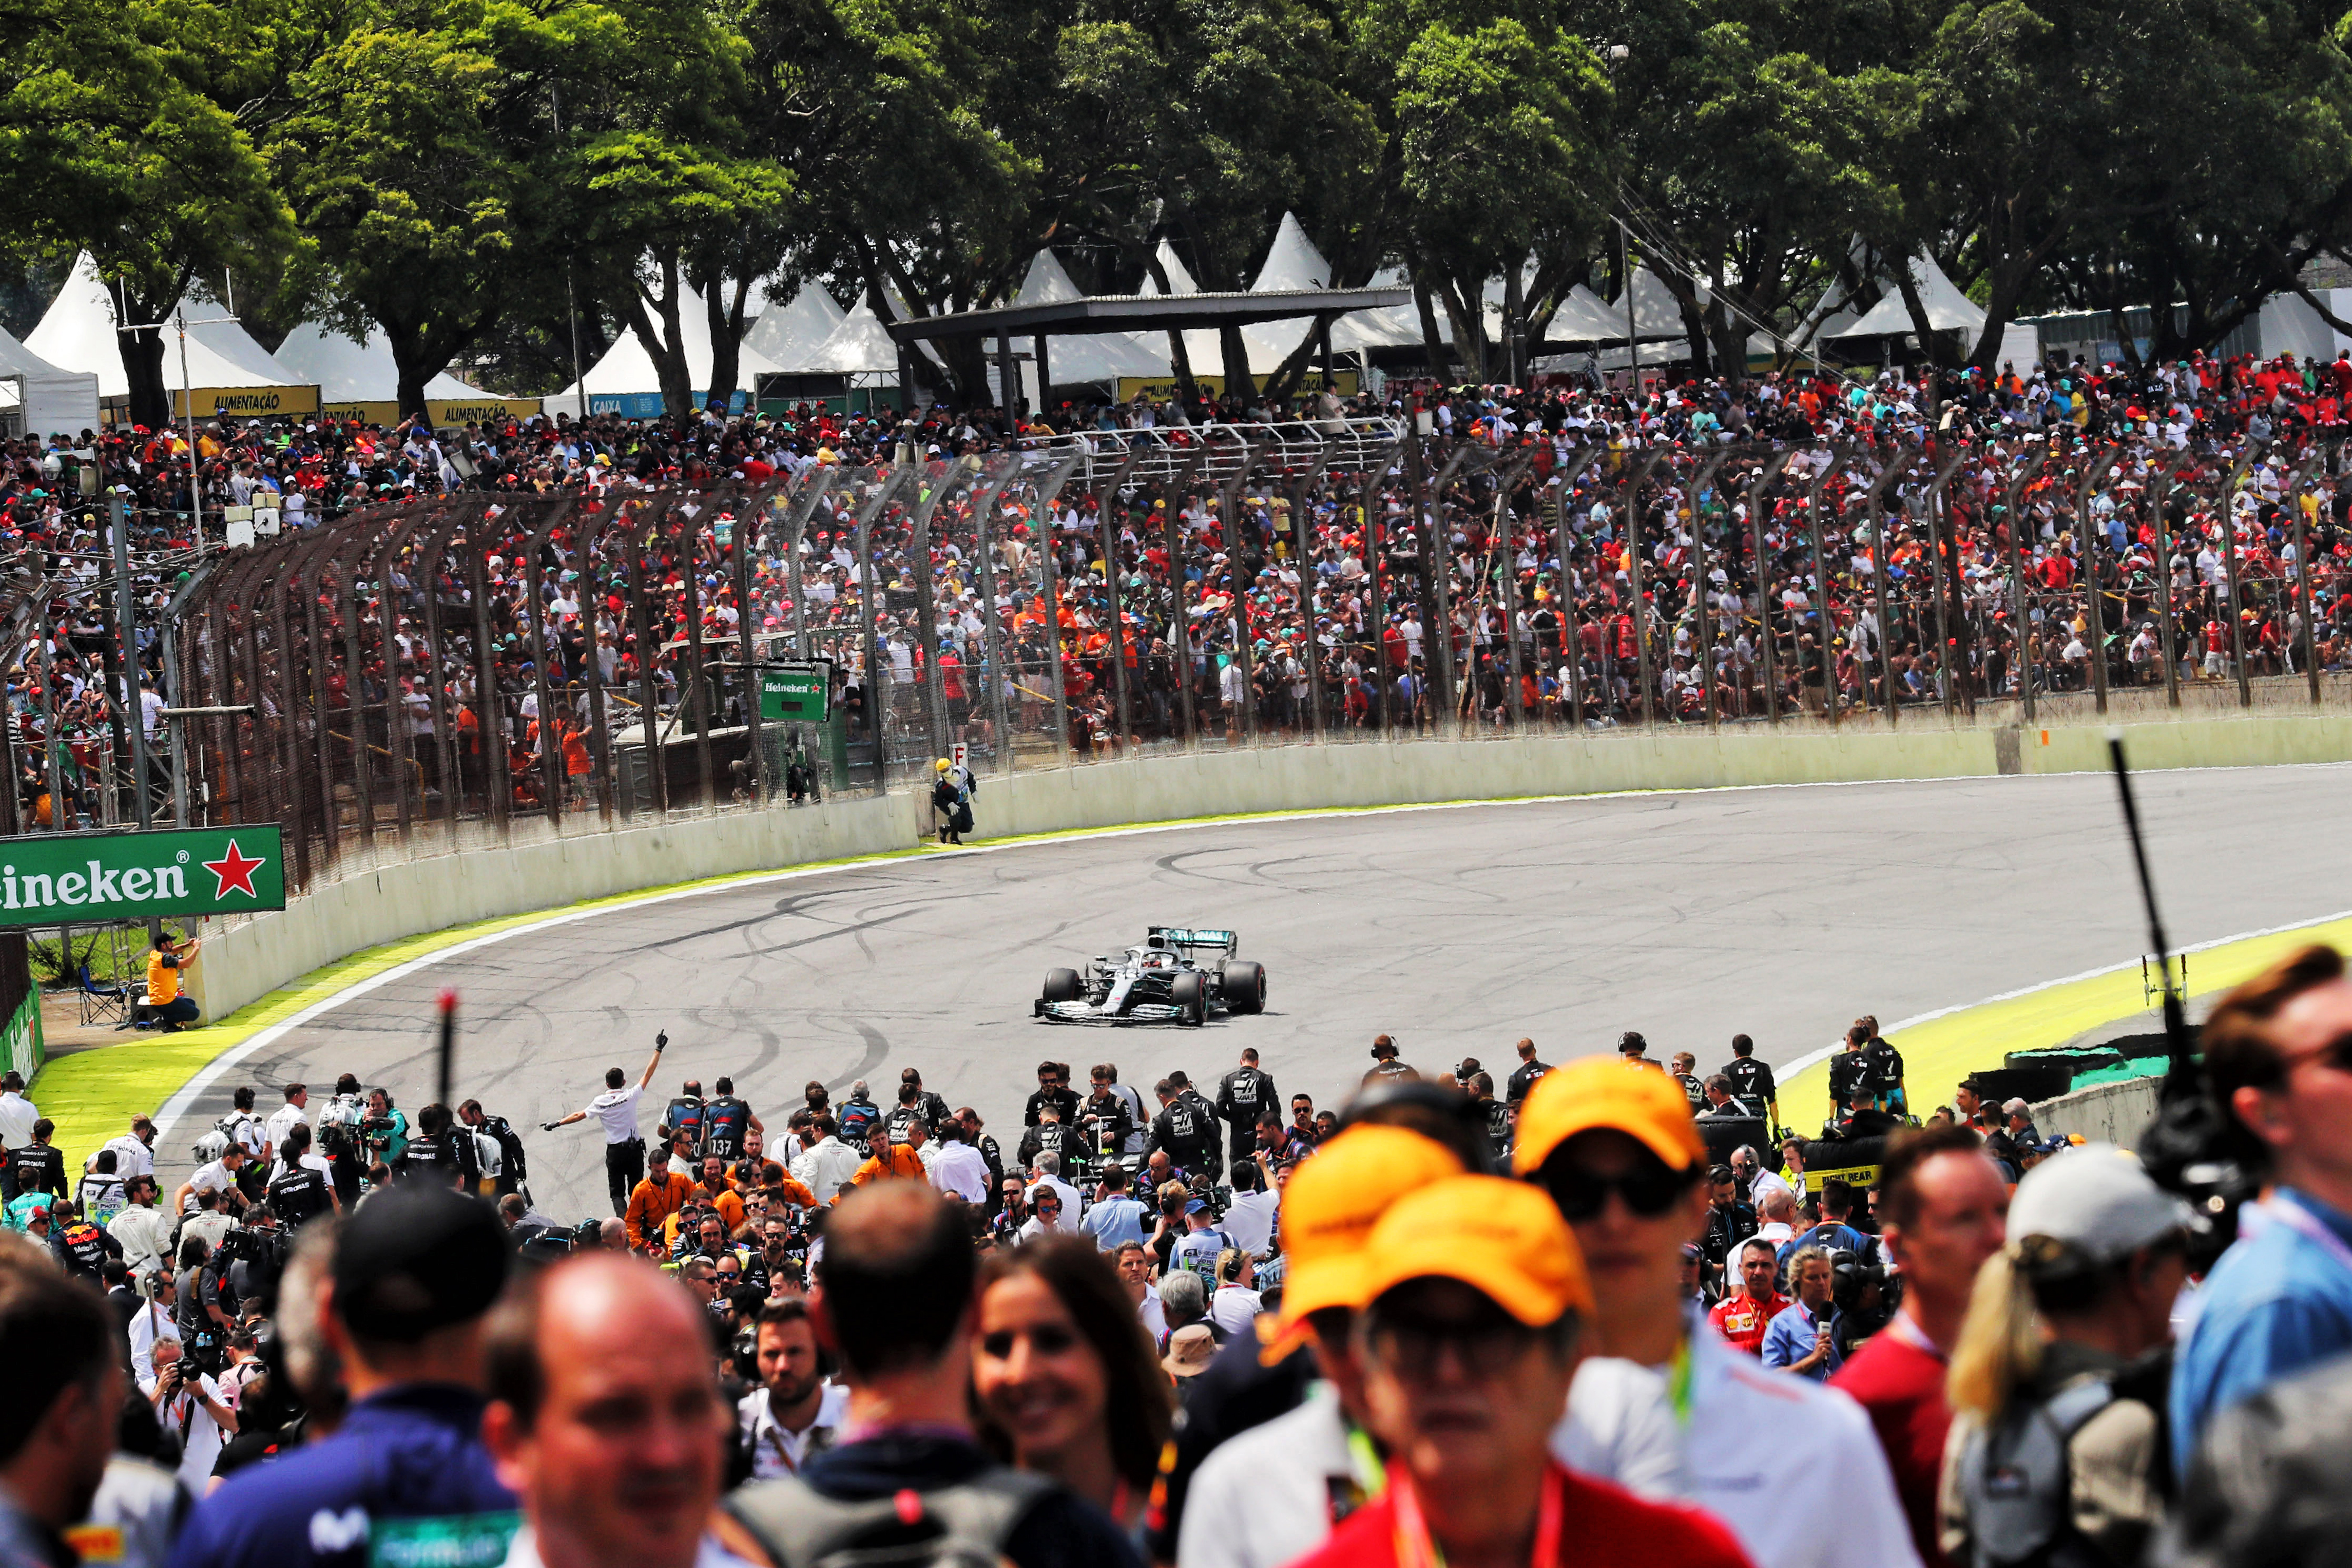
191 1404
339 1139
616 1108
383 1130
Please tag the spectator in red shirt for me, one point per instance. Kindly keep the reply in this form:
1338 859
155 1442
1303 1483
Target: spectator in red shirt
1472 1294
1742 1318
1943 1206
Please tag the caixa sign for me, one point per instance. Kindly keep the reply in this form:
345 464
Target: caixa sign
85 879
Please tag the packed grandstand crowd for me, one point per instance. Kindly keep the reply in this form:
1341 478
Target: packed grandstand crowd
2104 496
1598 1312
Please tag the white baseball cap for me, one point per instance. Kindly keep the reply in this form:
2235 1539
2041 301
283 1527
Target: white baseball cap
2096 1200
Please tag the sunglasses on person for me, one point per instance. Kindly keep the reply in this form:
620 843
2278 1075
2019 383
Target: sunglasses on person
1487 1347
1648 1189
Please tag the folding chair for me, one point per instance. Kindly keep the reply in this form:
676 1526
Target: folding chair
103 1004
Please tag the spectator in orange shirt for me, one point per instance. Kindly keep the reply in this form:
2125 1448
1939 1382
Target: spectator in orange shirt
891 1160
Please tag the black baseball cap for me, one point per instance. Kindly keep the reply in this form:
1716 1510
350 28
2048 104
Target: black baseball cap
417 1259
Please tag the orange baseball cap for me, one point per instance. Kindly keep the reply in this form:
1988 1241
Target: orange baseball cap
1602 1091
1503 1239
1331 1204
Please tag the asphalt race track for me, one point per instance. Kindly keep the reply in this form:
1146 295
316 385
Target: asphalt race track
1782 912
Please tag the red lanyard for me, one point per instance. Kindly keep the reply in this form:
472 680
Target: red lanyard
1416 1548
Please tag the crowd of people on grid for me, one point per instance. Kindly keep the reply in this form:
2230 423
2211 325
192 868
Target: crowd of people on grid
1458 1321
2155 523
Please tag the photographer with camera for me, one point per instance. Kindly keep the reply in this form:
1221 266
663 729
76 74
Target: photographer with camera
191 1404
383 1130
339 1139
616 1108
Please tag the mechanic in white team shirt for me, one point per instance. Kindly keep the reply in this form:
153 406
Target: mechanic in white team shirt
616 1108
283 1120
1793 1467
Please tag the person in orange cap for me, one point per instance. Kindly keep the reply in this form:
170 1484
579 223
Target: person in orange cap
1266 1497
1473 1297
1623 1164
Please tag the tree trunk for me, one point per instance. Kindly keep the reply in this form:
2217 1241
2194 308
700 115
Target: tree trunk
666 346
725 317
1236 357
1431 342
142 363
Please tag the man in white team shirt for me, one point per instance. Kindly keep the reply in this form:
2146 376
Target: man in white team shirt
283 1120
1622 1158
794 1415
134 1151
616 1108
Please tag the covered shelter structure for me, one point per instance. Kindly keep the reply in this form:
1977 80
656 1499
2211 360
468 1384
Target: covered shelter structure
1096 315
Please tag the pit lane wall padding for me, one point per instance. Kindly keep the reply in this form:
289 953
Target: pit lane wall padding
2105 1112
402 900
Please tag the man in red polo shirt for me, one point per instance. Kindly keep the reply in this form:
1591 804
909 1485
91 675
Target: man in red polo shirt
1943 1207
1472 1293
1742 1316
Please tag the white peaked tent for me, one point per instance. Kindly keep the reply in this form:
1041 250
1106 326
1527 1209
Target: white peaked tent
46 401
1089 357
628 367
1946 309
859 346
1201 345
1291 262
1394 327
787 335
78 333
349 372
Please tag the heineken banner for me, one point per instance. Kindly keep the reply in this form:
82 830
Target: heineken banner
86 879
796 692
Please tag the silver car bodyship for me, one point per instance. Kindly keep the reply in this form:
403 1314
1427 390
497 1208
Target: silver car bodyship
1176 975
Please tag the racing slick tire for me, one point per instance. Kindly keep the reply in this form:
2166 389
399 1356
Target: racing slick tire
1062 985
1242 985
1191 992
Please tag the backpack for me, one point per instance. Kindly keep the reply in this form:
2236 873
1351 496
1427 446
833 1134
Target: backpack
2014 1476
964 1526
211 1146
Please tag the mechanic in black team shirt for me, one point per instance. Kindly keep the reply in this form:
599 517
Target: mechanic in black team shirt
1185 1129
935 1109
1054 1086
899 1274
1242 1096
1106 1121
1523 1077
1751 1080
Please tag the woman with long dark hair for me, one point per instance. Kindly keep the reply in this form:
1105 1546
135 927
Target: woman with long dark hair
1065 1381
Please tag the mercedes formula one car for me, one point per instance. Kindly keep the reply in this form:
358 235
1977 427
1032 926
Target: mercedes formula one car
1174 976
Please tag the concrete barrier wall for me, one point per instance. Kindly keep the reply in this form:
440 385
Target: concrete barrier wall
2107 1112
405 900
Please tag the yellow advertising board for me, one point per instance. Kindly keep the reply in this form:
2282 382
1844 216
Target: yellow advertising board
386 414
482 410
246 402
1159 388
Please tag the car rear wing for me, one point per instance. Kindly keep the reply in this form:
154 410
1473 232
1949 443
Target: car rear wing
1193 944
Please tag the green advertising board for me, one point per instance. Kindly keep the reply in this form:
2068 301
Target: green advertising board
88 878
795 694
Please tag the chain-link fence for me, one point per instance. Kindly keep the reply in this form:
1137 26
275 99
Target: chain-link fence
426 678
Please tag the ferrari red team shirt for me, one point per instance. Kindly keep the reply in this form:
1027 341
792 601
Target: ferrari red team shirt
1742 1323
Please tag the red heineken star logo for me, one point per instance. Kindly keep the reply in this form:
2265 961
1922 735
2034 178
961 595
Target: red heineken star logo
234 872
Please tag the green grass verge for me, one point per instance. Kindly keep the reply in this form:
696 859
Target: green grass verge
1940 1052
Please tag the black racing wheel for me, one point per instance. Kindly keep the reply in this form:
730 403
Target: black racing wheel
1062 985
1242 984
1190 993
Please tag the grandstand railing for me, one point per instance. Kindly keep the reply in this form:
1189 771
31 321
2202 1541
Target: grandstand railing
464 671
